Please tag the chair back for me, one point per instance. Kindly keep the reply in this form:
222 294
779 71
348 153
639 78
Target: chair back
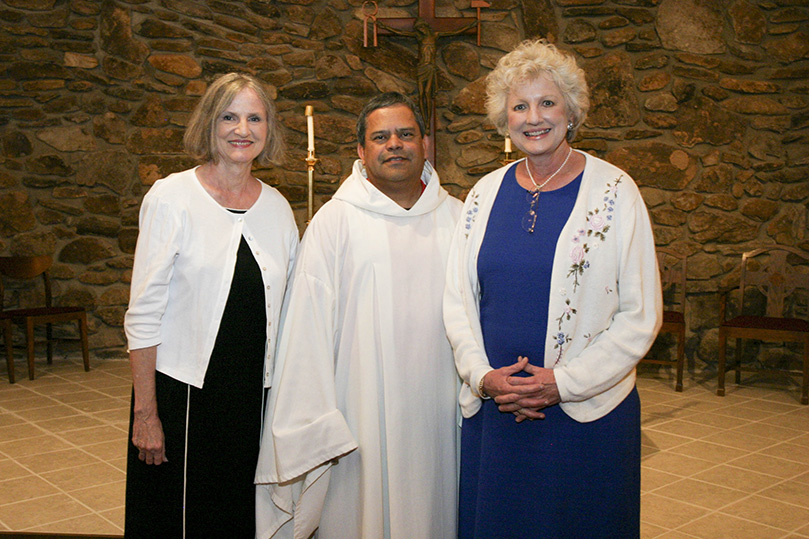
26 267
781 275
673 274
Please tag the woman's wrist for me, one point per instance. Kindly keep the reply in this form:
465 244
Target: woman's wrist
482 392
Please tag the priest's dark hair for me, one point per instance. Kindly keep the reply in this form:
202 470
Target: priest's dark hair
382 101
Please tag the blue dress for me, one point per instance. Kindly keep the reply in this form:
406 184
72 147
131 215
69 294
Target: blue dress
546 479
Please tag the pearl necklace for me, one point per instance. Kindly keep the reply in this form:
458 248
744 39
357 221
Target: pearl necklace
538 188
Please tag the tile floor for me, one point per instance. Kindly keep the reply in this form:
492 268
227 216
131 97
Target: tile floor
713 468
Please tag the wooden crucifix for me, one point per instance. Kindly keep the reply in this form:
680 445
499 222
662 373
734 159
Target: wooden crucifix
427 29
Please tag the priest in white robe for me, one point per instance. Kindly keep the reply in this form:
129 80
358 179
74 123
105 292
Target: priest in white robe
361 426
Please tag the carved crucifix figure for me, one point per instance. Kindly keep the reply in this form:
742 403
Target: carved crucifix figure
426 70
427 29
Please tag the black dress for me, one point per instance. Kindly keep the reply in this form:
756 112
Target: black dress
224 431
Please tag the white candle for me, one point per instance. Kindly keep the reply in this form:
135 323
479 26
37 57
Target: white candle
310 127
508 144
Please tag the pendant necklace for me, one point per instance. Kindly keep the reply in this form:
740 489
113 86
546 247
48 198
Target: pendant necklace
530 219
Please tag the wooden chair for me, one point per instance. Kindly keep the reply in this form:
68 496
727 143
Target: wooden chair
768 271
673 274
30 267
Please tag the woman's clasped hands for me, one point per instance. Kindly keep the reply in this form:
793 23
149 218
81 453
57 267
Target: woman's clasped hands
523 396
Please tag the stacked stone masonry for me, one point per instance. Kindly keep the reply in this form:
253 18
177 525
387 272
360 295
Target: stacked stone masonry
704 103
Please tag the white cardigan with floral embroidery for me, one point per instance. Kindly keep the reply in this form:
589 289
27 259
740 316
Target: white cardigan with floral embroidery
605 304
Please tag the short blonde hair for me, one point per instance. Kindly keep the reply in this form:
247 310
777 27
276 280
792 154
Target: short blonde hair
201 131
524 64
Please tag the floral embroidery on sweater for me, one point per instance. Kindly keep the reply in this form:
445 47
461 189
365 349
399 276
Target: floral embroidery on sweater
472 212
598 225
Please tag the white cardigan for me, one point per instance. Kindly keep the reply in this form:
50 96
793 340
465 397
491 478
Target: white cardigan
605 305
184 262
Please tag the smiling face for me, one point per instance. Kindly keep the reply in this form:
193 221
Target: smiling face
537 117
393 150
241 129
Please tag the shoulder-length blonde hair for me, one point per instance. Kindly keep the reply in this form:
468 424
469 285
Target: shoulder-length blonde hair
524 64
201 131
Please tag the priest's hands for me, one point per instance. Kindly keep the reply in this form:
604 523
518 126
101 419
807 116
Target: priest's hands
523 396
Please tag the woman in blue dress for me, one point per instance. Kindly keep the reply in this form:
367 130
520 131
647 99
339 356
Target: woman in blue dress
553 296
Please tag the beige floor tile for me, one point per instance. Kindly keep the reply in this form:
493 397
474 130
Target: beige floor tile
759 462
56 460
715 419
675 535
85 524
7 419
669 410
107 381
650 420
709 451
24 488
802 478
118 416
744 411
108 450
63 424
19 431
99 405
803 531
11 470
93 435
737 478
648 398
647 451
763 429
662 440
26 401
650 531
102 497
701 493
120 392
119 463
769 512
11 392
740 440
798 420
81 477
687 428
55 388
722 526
682 465
48 412
792 492
771 406
789 451
45 443
696 405
26 514
651 479
116 516
668 513
80 396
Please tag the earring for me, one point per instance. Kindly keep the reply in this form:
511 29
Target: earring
569 126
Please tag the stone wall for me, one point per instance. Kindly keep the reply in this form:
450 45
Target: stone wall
704 103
